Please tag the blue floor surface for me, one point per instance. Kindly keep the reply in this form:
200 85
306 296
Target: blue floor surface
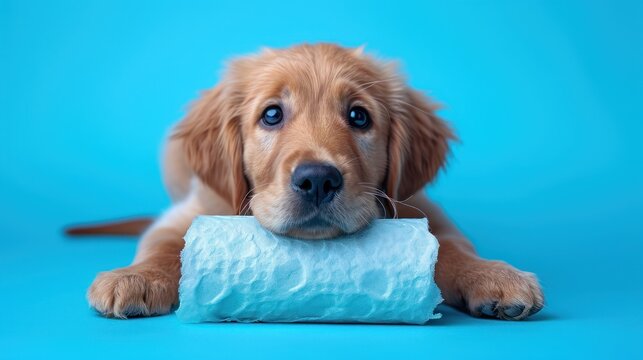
545 95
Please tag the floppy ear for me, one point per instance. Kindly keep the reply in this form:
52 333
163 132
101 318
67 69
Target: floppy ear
418 144
212 141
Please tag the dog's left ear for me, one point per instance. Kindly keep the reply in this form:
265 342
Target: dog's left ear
418 144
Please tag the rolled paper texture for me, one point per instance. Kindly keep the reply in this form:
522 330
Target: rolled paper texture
235 270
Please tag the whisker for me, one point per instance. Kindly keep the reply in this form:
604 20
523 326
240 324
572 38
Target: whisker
393 201
382 194
413 207
349 161
427 113
367 85
241 204
246 207
376 197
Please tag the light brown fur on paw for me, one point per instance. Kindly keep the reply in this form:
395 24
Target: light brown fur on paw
133 291
496 289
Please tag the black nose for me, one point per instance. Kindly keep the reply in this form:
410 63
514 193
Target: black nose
316 183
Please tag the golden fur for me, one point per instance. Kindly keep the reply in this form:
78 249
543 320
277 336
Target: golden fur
221 161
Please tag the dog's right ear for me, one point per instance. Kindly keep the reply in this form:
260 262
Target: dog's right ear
211 135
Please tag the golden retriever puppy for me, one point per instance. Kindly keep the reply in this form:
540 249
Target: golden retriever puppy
315 141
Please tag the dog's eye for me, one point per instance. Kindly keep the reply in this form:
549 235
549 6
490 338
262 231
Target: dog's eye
358 117
272 115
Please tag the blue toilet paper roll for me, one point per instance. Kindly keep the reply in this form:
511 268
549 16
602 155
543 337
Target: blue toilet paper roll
235 270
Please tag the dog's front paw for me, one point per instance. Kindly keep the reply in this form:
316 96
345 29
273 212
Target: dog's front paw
496 289
133 291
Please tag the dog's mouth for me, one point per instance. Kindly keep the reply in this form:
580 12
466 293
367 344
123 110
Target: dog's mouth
302 220
315 226
315 223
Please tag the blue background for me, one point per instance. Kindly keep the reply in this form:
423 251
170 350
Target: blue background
545 95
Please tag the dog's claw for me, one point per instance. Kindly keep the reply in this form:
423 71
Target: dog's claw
489 309
513 311
535 309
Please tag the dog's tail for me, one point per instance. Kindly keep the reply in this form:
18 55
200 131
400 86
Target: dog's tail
127 227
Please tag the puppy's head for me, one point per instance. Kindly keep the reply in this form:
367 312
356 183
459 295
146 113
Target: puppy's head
312 139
